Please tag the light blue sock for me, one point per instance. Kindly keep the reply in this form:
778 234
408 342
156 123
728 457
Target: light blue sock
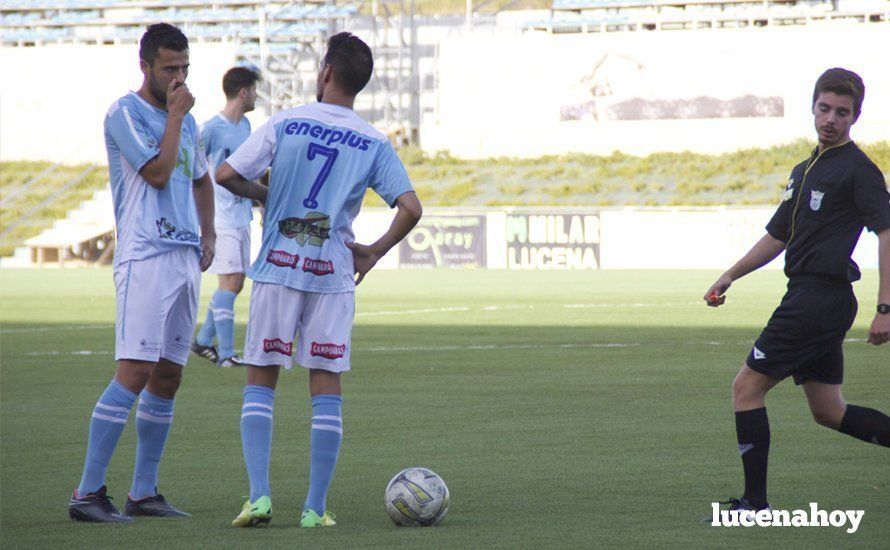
153 418
208 330
224 320
106 425
256 437
324 447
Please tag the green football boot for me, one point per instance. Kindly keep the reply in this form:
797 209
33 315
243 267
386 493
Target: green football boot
311 519
254 513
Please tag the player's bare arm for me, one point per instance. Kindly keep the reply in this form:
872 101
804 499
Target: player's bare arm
202 189
234 182
157 171
879 333
365 257
762 253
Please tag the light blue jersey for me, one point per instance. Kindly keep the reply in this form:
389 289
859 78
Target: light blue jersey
151 221
323 159
221 138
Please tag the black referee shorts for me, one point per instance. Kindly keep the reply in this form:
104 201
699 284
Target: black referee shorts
805 335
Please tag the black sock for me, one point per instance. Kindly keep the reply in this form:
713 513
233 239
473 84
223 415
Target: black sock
866 424
752 428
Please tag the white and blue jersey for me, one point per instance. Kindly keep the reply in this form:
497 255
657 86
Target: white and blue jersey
151 221
323 159
221 138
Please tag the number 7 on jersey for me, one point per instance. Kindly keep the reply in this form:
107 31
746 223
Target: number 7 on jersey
330 155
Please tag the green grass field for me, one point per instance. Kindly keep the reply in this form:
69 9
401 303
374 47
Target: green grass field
564 409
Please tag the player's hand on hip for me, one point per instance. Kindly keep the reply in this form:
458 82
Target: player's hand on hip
208 250
364 259
179 99
715 296
880 330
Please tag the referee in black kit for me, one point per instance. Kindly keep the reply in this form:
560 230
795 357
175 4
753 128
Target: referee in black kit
829 198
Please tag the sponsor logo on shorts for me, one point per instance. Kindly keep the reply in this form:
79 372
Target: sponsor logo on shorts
314 229
283 259
758 354
180 342
145 345
277 345
318 267
328 351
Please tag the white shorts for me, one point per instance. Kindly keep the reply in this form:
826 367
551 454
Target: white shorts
278 313
157 305
232 251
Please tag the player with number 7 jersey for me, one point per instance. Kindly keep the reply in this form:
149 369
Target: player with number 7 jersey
323 159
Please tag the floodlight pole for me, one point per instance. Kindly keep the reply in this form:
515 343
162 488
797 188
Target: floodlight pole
469 14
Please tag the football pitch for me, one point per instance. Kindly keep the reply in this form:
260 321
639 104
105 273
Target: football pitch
563 409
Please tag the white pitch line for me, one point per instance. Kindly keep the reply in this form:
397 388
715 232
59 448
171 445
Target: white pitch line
636 304
55 329
488 347
511 307
411 311
358 314
478 347
81 352
751 342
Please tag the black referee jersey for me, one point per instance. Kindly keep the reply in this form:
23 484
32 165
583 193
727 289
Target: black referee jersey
829 199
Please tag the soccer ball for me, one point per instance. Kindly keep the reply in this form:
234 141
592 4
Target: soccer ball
417 497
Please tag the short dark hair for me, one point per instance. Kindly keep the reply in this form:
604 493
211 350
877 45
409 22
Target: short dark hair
842 82
161 35
350 60
238 78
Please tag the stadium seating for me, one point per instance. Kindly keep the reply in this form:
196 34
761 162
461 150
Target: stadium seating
567 16
32 22
90 227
